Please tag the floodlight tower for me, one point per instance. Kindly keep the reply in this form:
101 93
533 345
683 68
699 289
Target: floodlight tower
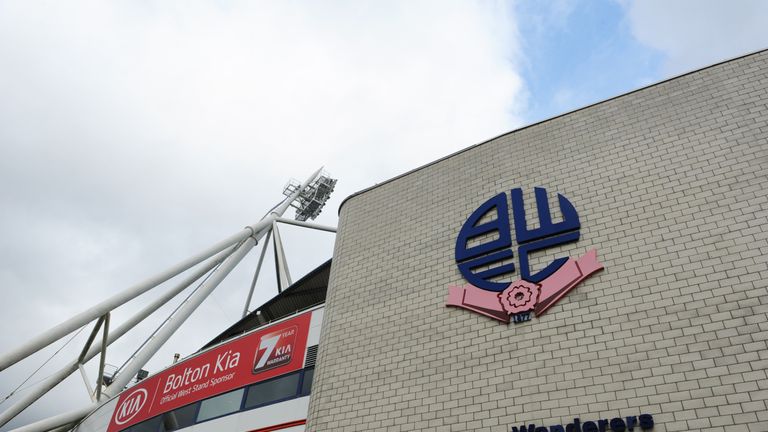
311 199
309 202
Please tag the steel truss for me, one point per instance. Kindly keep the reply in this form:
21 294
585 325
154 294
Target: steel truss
219 260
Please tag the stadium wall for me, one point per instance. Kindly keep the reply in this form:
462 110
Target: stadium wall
671 186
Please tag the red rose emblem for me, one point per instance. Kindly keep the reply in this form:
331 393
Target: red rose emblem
520 296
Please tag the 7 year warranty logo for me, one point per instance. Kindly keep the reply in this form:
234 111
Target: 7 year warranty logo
275 349
485 256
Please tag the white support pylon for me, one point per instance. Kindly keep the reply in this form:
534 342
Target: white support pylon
153 345
256 232
47 384
83 318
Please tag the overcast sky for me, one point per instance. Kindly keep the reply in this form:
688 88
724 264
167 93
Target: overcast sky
134 134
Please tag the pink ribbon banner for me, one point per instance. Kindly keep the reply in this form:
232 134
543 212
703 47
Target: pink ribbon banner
522 296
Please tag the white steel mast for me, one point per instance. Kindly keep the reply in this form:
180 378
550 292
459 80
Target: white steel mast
308 198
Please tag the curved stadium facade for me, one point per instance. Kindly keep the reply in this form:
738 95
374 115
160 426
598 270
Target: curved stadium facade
604 270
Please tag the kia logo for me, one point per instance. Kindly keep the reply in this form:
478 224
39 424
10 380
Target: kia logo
131 406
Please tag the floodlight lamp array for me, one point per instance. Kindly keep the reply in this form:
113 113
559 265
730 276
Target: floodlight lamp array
312 199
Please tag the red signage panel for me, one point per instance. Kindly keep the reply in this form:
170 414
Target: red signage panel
261 355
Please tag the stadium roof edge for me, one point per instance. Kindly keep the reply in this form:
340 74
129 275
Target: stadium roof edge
672 78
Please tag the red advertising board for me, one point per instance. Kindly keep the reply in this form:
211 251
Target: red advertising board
264 354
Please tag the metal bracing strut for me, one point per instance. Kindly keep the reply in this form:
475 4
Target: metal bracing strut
256 274
281 264
102 357
307 225
59 376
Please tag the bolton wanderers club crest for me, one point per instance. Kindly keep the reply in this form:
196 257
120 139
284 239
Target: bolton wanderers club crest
484 253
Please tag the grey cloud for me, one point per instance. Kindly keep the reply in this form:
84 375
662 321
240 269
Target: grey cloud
694 34
135 134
